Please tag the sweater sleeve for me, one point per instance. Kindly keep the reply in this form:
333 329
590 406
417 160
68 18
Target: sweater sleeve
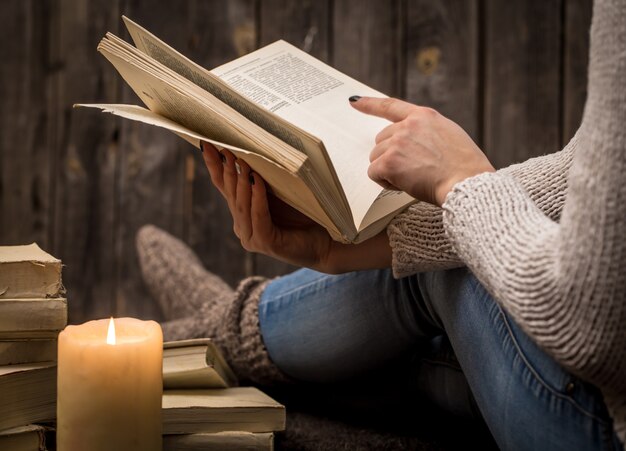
419 241
564 283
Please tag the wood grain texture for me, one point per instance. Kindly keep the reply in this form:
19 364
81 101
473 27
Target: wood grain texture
151 181
26 163
442 59
222 31
85 146
305 24
366 42
81 184
575 60
522 79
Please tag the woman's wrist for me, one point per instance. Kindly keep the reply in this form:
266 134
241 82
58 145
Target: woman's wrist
442 192
374 253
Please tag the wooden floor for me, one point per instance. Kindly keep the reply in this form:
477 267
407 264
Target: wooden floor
512 73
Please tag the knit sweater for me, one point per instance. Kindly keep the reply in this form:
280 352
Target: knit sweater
547 238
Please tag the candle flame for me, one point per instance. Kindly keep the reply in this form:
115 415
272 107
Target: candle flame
111 333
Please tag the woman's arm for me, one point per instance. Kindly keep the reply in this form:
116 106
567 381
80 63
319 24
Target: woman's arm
417 236
564 283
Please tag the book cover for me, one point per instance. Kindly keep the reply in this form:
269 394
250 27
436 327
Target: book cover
27 350
31 437
220 441
29 272
195 363
218 410
32 318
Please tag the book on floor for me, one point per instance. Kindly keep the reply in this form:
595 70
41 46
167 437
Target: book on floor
195 363
27 350
220 441
32 318
29 272
217 410
283 112
27 394
32 437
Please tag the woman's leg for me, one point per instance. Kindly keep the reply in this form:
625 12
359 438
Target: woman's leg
318 327
527 400
326 328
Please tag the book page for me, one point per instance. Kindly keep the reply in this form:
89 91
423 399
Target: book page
187 104
163 53
284 183
258 112
314 96
303 102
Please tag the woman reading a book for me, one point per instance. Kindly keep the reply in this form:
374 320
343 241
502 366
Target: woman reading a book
521 270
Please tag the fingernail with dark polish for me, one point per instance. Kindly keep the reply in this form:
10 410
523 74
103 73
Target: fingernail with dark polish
354 98
251 179
223 158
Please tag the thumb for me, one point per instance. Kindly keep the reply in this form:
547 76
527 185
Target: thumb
389 108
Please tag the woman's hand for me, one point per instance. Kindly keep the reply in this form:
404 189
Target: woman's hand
422 153
265 224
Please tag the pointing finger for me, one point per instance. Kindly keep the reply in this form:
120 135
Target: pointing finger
388 108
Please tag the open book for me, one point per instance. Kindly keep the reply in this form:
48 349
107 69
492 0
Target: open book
280 110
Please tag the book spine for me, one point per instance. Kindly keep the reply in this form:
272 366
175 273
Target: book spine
221 441
21 280
13 352
32 315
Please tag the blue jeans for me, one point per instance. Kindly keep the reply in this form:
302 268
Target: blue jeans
327 328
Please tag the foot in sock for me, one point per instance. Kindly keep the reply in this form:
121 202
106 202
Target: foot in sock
199 304
235 330
175 276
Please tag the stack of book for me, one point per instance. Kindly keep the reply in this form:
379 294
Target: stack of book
33 310
204 409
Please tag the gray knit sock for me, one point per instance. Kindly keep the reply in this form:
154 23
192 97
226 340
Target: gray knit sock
233 324
239 335
199 304
174 274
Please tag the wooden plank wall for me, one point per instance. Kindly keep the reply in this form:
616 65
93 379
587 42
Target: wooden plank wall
513 74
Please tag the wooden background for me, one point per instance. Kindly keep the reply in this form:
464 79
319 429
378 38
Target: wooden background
512 73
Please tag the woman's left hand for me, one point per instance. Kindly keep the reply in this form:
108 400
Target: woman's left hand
422 153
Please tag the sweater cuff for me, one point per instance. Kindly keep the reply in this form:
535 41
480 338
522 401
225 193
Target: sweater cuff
475 203
493 224
418 241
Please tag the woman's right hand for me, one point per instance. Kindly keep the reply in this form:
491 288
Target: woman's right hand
265 224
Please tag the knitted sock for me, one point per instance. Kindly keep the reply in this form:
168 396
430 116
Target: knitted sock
174 274
233 325
199 304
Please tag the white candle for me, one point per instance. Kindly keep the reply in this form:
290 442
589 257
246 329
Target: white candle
110 386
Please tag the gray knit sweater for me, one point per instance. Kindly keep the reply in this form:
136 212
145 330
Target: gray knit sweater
548 237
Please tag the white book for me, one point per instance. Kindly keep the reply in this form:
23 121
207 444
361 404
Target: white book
27 394
218 410
32 318
195 363
27 351
283 112
29 272
220 441
31 437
